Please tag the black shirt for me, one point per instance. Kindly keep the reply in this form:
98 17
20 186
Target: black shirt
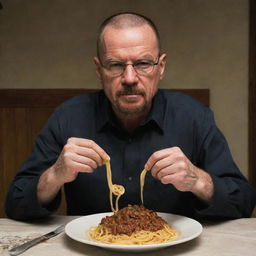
175 120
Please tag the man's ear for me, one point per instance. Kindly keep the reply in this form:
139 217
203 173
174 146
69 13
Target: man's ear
98 67
162 62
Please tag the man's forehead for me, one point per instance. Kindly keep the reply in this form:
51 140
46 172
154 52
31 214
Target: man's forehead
144 29
128 38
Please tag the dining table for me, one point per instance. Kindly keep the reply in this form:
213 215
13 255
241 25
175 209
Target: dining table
230 237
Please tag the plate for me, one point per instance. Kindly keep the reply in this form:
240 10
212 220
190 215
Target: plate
188 229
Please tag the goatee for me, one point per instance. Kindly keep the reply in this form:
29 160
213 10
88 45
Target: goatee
130 111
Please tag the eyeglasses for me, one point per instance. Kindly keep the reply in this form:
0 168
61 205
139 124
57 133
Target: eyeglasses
141 66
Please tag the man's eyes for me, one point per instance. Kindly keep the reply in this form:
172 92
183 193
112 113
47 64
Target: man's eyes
142 64
136 64
116 65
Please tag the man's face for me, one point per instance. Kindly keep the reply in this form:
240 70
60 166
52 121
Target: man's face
130 93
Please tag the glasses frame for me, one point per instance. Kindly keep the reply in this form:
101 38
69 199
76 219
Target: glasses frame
132 64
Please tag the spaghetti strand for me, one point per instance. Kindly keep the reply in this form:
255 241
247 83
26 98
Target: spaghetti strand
114 189
142 182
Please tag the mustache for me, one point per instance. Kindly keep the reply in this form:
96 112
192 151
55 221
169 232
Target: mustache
130 91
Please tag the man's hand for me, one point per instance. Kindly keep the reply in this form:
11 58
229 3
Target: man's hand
171 166
78 155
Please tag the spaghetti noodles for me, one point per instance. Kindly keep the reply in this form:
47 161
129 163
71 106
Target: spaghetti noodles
142 182
133 225
114 189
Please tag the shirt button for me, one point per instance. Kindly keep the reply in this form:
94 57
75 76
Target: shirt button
130 178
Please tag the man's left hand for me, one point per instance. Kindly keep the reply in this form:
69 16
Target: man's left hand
171 166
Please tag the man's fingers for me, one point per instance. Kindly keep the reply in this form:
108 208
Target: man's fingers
173 153
160 167
89 148
156 156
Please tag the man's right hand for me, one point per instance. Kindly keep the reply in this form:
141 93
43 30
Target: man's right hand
78 155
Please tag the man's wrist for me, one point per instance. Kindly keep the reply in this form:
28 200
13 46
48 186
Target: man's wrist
203 187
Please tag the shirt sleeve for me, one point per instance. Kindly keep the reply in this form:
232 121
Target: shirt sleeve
21 201
233 196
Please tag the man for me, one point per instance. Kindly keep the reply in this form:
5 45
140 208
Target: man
136 126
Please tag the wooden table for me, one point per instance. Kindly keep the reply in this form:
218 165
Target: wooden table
230 238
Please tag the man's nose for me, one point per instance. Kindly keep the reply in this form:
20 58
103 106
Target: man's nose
129 76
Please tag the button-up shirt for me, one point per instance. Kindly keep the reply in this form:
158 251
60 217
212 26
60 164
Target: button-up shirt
175 120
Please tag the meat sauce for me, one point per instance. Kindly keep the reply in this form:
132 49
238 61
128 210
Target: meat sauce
133 218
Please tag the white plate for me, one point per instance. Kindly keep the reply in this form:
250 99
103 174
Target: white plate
188 229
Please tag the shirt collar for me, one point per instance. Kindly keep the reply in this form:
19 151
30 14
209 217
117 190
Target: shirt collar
157 113
106 117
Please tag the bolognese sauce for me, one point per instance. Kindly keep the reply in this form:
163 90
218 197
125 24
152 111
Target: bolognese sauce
133 218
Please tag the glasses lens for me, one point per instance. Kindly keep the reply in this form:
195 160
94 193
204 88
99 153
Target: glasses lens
116 68
143 67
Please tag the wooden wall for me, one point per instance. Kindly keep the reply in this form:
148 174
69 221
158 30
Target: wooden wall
23 113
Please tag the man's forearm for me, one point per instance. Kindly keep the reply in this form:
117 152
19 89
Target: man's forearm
48 186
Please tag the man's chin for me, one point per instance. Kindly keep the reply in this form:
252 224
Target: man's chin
131 110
